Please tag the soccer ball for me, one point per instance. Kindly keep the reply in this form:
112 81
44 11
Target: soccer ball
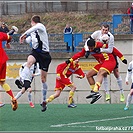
104 38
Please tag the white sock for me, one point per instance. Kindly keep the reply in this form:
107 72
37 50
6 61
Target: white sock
44 91
129 98
29 96
119 82
19 94
105 84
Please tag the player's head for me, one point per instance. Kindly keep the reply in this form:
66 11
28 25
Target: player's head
35 19
91 44
104 38
105 29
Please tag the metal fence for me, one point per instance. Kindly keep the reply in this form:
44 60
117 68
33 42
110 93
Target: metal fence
56 44
120 24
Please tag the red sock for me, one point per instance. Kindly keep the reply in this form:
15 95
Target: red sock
10 93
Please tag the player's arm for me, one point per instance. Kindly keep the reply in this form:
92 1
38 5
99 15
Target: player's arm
8 40
119 54
129 72
110 46
80 73
76 56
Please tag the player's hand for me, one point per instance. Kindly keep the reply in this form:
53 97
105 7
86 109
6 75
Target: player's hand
58 77
69 61
124 61
80 77
8 45
87 53
97 50
22 38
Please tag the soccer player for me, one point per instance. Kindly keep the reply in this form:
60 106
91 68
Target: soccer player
34 71
129 75
37 35
116 53
64 71
106 65
3 60
97 35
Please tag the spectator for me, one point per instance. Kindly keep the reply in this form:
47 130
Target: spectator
68 30
4 28
130 12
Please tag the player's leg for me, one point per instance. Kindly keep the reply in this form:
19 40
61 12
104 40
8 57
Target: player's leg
50 99
30 97
106 88
44 60
71 95
24 88
119 82
30 61
44 89
5 86
53 96
129 98
90 78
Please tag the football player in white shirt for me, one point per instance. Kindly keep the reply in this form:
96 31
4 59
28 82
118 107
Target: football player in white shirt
98 34
129 75
34 71
37 35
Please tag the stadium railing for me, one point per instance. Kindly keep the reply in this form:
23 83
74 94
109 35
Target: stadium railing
120 25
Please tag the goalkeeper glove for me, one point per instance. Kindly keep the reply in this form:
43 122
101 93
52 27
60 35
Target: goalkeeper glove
87 53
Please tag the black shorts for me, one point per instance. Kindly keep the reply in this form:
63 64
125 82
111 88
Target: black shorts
132 86
27 84
117 64
43 58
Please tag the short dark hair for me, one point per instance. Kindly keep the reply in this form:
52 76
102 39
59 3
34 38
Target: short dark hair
91 42
105 25
36 19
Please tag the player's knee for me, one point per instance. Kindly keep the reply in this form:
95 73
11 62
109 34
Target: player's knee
2 83
88 75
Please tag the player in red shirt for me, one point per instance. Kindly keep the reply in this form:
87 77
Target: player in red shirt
64 71
3 60
106 65
104 38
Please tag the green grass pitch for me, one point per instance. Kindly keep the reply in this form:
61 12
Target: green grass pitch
58 117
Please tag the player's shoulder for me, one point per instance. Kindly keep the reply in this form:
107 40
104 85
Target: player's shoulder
110 34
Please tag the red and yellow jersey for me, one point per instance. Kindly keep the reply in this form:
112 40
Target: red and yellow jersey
115 51
3 56
67 70
100 57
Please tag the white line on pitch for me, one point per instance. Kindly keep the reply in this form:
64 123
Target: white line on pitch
77 123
